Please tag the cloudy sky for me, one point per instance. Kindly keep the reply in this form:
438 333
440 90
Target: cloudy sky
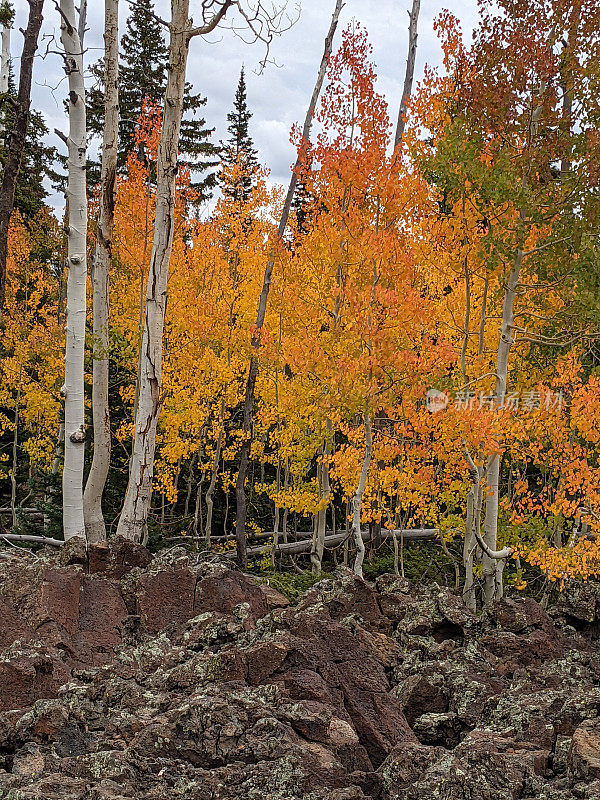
278 96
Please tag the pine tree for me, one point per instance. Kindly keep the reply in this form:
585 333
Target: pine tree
239 148
142 76
37 159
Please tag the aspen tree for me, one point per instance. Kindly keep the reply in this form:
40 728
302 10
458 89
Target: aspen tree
410 71
240 488
262 23
92 499
73 389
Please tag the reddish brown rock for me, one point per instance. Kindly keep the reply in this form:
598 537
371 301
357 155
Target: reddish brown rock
116 559
584 757
227 589
101 612
264 659
29 677
166 598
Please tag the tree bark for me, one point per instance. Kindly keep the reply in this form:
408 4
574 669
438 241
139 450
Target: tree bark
491 562
492 589
240 488
134 515
18 134
13 472
4 67
472 522
213 477
410 71
357 499
95 527
318 539
73 390
5 59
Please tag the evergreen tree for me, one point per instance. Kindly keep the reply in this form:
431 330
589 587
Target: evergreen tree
239 148
143 76
37 159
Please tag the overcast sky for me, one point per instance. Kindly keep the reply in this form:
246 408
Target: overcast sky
278 97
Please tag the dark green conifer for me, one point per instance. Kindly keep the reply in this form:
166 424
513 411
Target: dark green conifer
37 161
143 76
239 148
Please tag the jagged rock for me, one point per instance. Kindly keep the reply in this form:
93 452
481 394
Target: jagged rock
130 677
585 750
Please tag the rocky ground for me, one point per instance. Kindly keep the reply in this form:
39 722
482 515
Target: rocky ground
127 677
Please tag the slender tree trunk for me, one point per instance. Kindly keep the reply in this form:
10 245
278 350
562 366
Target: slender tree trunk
213 478
240 489
318 542
73 523
346 544
467 323
95 528
4 67
188 491
5 59
134 515
82 24
410 71
286 512
472 521
483 317
492 571
13 472
197 527
18 134
491 589
357 499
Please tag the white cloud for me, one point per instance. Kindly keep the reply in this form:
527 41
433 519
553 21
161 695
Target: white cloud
278 96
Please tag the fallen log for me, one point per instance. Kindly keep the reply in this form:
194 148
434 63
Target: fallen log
24 537
294 548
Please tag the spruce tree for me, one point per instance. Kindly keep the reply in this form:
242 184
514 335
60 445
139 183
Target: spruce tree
142 76
239 148
37 160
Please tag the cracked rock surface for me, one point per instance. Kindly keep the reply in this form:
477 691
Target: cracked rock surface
125 676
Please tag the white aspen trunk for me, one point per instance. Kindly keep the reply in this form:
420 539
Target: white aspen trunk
318 543
213 477
467 323
5 59
492 571
472 523
357 499
134 515
491 589
318 540
132 522
410 71
95 527
13 472
277 514
4 69
73 524
286 513
81 27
